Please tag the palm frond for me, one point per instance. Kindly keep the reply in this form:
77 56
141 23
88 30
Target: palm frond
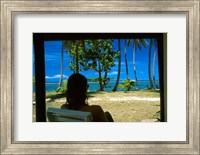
144 42
129 42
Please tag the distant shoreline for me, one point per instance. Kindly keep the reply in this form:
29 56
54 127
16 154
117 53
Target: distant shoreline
93 86
55 82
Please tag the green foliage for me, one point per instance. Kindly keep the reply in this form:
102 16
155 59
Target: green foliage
97 55
71 48
157 116
104 80
63 88
93 79
33 79
127 85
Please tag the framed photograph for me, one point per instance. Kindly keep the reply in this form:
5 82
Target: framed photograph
108 62
33 31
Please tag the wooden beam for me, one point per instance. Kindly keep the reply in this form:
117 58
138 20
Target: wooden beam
39 38
161 65
79 36
38 42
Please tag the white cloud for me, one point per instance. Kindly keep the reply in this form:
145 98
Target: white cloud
55 76
116 63
113 73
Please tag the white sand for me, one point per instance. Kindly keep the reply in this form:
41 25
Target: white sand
109 99
133 98
125 99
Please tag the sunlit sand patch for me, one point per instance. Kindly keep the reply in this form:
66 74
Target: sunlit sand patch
133 98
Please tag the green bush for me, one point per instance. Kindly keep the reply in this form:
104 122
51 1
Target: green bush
157 116
63 88
127 85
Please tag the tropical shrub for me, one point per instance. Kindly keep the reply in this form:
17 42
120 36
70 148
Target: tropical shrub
127 85
33 79
157 116
63 88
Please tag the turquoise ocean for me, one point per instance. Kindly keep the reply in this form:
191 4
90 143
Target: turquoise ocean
93 86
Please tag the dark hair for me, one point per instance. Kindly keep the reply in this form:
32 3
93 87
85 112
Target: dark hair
76 91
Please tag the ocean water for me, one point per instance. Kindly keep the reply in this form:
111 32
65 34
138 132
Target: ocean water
93 86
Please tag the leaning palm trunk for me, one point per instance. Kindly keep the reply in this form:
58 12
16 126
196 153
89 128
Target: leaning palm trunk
149 65
119 67
136 44
153 67
126 62
61 68
135 73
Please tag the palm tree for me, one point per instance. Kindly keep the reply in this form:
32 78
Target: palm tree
126 62
154 60
119 66
61 65
136 44
68 45
149 64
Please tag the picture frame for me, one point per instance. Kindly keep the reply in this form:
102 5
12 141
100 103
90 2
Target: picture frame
10 8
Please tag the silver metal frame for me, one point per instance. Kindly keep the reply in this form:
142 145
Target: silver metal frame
10 7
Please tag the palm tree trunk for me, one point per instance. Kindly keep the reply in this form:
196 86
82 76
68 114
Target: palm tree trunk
61 66
105 79
134 70
119 67
153 67
136 43
100 77
149 65
126 62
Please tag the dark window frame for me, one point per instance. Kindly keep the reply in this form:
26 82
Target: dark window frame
38 41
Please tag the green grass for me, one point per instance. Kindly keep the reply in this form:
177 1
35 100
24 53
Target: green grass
121 110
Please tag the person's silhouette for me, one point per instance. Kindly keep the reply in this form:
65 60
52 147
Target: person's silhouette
76 96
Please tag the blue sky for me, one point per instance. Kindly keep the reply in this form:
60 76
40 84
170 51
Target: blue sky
53 61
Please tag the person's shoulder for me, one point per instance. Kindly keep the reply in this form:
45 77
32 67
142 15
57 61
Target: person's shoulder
91 108
95 106
97 112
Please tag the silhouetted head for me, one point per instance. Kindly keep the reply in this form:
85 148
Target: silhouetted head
76 91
